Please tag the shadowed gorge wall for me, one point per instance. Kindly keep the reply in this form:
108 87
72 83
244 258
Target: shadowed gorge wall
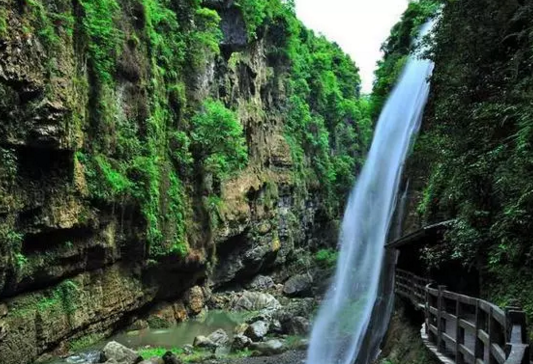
150 146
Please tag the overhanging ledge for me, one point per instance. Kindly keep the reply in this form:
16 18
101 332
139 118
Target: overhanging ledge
419 235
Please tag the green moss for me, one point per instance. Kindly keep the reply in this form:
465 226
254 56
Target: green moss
397 49
104 37
107 182
3 23
43 24
60 300
328 125
254 13
326 258
115 180
214 207
85 342
155 322
218 139
20 261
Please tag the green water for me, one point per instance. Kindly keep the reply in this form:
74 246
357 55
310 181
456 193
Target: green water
181 334
174 337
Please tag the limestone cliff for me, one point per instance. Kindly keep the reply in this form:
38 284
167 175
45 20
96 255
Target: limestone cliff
107 205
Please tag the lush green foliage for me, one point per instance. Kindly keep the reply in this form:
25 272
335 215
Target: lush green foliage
476 145
397 49
328 123
148 353
258 13
218 139
145 161
326 258
48 25
3 22
99 25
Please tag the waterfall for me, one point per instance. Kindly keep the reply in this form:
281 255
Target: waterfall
344 316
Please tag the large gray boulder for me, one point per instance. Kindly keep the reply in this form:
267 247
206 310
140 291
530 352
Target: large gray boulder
298 286
254 301
257 330
296 326
171 358
297 307
240 342
204 342
270 347
275 327
115 352
261 283
219 337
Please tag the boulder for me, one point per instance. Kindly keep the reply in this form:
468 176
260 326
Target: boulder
188 349
240 329
296 326
222 351
270 347
296 307
138 325
180 312
4 329
254 301
170 358
162 316
114 351
203 342
261 283
275 327
298 286
240 342
3 310
154 360
195 300
302 344
257 330
113 361
219 337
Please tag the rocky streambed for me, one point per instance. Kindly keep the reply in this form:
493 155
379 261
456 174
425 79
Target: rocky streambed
268 321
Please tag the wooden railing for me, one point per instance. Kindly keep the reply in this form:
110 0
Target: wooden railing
466 329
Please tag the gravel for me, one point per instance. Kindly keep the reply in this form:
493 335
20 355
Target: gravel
290 357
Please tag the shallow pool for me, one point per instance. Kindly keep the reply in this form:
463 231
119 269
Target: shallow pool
173 337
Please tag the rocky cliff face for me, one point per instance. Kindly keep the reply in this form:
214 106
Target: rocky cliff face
88 242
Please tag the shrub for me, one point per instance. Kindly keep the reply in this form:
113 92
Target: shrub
218 139
326 258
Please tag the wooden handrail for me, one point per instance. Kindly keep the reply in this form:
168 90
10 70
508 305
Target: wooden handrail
467 329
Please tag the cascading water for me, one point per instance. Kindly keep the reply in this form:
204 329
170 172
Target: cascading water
345 314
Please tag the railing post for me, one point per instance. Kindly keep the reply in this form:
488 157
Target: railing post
492 334
478 344
428 304
441 322
516 317
459 333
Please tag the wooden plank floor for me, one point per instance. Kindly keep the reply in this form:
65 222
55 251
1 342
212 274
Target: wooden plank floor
448 357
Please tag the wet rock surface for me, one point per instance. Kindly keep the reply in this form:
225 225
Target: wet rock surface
254 301
114 353
257 330
298 286
269 348
97 248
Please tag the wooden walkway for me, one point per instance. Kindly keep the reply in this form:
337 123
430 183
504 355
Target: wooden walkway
465 330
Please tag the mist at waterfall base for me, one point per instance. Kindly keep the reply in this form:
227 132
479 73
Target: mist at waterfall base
343 319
